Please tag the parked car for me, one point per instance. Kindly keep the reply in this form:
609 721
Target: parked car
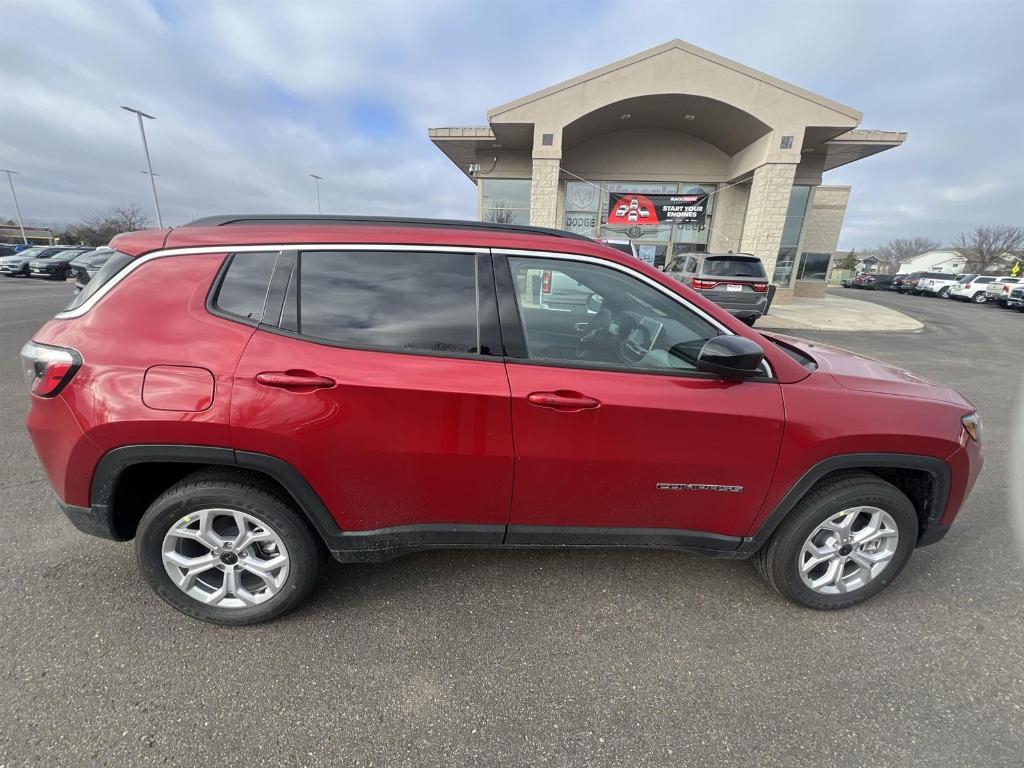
908 282
999 291
86 265
7 250
734 281
972 290
362 399
1016 299
915 283
897 282
55 266
941 286
17 263
870 281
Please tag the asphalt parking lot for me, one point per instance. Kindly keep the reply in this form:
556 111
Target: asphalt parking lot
526 658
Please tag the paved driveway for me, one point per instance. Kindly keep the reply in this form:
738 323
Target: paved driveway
524 658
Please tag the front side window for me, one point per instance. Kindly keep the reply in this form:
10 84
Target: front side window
405 301
580 313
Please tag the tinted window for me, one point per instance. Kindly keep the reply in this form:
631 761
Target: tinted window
243 291
115 264
585 314
724 266
400 300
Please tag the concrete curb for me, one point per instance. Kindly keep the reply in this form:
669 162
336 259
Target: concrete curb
837 314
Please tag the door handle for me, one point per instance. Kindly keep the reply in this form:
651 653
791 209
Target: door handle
563 400
294 379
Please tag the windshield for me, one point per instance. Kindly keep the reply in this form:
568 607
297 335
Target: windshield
28 253
732 266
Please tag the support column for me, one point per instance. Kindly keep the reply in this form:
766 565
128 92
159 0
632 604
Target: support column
544 192
766 215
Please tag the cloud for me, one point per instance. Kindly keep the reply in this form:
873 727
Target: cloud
251 97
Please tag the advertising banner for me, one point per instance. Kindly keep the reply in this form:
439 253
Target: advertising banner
688 209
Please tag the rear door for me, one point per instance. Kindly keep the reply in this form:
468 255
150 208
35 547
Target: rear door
618 437
377 374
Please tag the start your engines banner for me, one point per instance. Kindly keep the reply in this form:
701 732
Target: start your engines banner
631 209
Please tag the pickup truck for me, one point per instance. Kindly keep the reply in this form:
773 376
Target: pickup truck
941 286
999 291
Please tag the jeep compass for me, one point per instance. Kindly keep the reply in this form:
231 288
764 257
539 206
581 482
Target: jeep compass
244 395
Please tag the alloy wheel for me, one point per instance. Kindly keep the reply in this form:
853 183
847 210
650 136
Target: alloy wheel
848 550
225 558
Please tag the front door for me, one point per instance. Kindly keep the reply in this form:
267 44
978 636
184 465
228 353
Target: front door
378 379
615 429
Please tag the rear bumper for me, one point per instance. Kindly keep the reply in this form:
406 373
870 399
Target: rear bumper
97 520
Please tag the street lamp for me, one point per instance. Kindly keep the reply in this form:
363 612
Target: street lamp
316 185
149 165
17 208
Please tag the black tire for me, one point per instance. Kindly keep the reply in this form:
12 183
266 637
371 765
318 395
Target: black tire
778 559
979 297
237 491
944 292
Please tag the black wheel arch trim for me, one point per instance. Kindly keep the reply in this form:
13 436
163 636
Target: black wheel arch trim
115 462
936 468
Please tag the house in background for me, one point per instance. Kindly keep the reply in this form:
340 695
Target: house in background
867 264
934 261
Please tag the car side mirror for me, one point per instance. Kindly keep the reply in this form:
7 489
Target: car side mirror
594 303
731 357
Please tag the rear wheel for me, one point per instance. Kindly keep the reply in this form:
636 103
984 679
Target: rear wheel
843 543
227 549
979 297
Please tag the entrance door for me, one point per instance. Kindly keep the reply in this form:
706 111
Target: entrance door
616 429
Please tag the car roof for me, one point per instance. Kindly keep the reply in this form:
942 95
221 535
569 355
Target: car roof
311 230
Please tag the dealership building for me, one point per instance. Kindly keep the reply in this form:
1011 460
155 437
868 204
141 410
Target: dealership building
737 154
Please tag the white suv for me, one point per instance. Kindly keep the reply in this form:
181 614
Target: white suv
973 290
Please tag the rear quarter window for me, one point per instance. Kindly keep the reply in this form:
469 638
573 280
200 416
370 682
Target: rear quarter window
115 264
244 286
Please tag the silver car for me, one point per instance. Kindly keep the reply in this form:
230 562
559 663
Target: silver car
734 281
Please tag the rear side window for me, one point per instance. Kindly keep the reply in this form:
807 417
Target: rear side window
723 266
115 264
404 301
243 289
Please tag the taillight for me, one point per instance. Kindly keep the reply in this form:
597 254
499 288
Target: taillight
48 369
545 281
760 287
696 282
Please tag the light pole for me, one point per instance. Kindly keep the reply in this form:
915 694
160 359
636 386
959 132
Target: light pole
17 207
316 185
149 165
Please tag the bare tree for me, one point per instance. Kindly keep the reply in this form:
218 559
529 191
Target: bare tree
898 250
500 213
990 248
101 228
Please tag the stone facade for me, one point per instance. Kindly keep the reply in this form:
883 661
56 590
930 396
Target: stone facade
544 193
730 211
766 212
824 220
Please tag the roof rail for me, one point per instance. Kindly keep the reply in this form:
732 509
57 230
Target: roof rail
271 218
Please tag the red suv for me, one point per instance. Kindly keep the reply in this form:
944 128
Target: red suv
242 395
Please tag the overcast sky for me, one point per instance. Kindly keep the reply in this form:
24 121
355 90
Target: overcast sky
253 96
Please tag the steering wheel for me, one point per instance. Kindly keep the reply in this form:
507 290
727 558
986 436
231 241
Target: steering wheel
598 331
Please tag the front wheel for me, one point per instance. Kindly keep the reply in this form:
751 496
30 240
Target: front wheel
843 543
943 293
227 549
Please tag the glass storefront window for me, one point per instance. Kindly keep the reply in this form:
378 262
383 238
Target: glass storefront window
505 201
791 234
813 266
586 212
